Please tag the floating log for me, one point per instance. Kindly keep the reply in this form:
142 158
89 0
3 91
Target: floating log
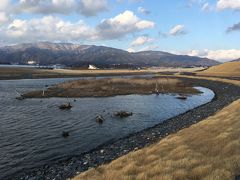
99 119
123 114
65 106
182 97
20 98
65 134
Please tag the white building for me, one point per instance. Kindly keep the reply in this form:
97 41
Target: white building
92 67
31 62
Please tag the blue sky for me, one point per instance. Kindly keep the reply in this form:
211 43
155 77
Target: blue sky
206 28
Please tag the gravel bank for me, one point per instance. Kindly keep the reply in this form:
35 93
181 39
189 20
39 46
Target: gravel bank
70 166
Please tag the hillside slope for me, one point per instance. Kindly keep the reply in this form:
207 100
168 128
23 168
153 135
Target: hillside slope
229 69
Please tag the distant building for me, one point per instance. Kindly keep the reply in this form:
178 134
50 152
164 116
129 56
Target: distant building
92 67
31 62
58 66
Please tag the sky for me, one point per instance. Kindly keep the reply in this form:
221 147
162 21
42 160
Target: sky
205 28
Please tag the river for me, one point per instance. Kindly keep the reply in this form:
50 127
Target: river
31 130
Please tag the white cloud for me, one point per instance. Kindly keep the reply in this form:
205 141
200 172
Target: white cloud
46 7
92 7
52 28
149 48
48 28
219 55
122 24
228 4
177 30
4 5
141 41
206 7
3 18
131 50
143 11
145 48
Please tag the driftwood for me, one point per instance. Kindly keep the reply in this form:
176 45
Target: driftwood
99 119
65 134
123 114
65 106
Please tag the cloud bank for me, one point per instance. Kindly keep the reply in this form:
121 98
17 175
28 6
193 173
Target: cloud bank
228 4
52 28
219 55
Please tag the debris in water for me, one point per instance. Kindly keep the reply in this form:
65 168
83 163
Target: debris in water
182 97
20 98
123 114
65 134
65 106
99 119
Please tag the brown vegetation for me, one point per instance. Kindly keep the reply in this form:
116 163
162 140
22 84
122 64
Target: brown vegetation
32 73
112 87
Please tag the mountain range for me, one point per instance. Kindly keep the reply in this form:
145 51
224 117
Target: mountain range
74 55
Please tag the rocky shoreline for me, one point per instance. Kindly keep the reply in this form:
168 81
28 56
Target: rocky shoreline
71 166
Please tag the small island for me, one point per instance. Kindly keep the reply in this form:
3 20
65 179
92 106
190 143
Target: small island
114 86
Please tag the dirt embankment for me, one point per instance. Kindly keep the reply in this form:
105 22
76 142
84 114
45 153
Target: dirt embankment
228 69
114 86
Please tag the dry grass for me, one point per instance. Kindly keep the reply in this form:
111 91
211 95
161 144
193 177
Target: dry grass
112 87
235 82
207 150
229 69
20 73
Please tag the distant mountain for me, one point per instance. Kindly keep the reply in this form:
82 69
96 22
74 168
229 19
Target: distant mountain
46 53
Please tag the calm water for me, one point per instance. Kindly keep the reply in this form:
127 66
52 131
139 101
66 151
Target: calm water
30 130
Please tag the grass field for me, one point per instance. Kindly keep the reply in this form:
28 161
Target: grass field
229 69
209 149
30 73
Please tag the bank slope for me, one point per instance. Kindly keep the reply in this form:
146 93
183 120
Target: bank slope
228 69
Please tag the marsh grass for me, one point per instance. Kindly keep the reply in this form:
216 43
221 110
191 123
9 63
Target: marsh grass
114 86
